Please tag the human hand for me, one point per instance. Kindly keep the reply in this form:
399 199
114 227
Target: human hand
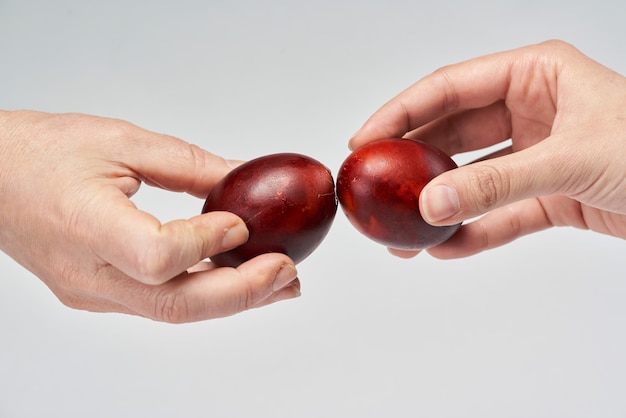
566 117
65 214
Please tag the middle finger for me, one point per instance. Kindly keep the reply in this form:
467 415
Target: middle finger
467 130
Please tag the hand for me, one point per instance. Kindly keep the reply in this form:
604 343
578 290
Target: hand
566 117
65 214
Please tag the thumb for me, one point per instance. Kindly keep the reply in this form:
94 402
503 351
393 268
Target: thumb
477 188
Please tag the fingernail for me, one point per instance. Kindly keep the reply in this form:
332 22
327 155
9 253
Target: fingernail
235 235
286 275
439 203
290 291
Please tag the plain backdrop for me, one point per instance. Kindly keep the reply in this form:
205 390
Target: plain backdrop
534 329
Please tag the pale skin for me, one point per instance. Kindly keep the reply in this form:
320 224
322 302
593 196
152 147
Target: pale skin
66 183
566 116
66 215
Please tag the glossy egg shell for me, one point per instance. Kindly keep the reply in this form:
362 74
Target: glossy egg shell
378 187
287 201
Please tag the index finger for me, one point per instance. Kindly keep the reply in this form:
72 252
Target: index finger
173 164
155 159
472 84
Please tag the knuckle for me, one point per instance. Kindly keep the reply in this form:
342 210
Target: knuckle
483 241
514 225
490 187
255 285
450 95
72 301
248 300
154 263
171 307
166 251
551 44
247 296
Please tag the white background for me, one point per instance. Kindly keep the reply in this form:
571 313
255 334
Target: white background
535 329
